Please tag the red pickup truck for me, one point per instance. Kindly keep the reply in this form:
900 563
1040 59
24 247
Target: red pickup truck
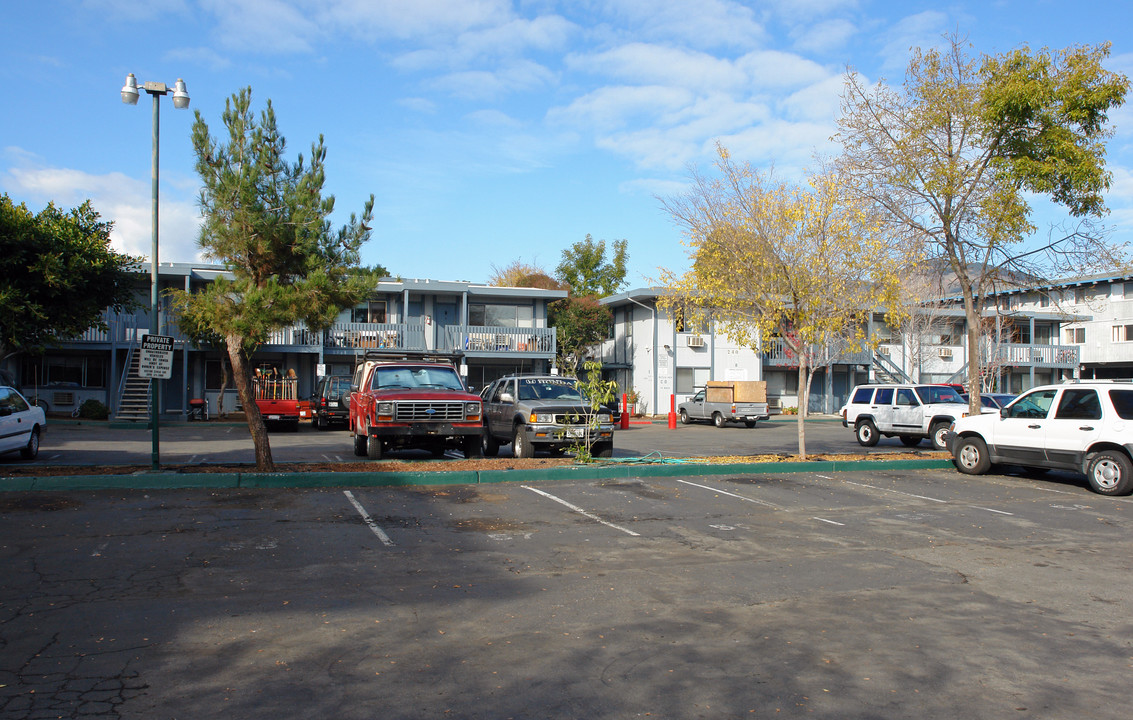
278 401
401 399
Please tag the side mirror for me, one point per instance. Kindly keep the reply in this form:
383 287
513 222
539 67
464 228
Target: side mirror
507 397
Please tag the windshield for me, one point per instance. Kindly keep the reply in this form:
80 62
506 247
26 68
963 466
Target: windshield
433 377
938 394
549 389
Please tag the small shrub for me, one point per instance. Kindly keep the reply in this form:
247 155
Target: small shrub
94 410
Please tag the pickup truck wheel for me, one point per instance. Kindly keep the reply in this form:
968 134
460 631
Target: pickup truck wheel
1110 473
971 456
718 420
521 447
473 447
373 447
602 449
749 423
359 445
866 433
936 435
684 417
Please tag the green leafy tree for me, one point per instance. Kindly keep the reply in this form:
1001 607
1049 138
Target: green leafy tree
585 271
58 274
949 158
267 221
580 323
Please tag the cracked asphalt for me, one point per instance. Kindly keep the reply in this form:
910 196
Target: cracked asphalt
876 594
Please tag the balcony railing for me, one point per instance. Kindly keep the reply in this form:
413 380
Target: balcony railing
485 339
395 336
776 353
1045 356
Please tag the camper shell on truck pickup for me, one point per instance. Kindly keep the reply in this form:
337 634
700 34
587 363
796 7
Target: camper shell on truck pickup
724 401
400 400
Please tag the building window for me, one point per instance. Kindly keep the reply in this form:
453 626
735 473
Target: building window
1075 336
372 312
691 379
1122 333
487 315
1127 290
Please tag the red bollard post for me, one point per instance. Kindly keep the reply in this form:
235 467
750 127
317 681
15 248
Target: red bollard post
625 412
672 412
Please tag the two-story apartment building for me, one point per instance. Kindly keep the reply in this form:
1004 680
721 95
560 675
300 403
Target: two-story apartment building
498 330
660 358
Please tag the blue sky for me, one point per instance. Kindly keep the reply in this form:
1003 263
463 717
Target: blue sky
488 130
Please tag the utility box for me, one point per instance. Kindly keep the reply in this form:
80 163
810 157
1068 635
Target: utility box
736 391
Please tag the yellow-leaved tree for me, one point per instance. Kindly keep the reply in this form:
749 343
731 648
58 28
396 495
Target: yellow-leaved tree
805 264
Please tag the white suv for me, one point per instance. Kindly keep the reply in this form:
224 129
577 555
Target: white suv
911 412
1083 426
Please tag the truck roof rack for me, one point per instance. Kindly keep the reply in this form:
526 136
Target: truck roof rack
393 355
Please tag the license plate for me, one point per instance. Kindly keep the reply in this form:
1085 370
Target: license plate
273 417
332 403
575 432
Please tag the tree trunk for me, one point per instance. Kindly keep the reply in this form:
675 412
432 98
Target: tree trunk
973 319
220 411
803 395
243 383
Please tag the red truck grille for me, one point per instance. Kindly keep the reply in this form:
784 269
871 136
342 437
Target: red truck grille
424 411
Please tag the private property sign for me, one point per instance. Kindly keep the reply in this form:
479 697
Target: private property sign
156 359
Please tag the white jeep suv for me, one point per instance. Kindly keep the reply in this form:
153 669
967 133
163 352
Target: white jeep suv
911 412
1081 426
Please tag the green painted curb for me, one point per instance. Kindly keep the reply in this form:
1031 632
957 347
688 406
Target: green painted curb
611 471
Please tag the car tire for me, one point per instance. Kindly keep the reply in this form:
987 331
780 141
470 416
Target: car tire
718 420
31 450
602 450
374 447
1110 473
936 435
490 447
749 423
911 440
521 447
685 420
971 456
360 445
866 432
321 422
472 447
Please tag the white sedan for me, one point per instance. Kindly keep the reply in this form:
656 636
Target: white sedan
21 424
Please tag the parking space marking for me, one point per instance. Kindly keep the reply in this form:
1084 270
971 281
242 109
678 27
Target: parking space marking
991 510
725 492
580 511
368 520
899 492
828 521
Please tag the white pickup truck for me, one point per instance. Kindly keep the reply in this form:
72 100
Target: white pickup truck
699 408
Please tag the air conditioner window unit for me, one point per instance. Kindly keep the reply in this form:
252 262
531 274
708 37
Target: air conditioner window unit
695 341
946 352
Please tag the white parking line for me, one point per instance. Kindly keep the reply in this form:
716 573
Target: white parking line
725 492
368 520
580 511
874 487
991 510
828 521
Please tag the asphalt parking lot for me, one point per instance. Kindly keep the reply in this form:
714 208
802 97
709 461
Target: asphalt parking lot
904 594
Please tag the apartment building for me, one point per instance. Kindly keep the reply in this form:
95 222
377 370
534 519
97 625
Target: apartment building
498 329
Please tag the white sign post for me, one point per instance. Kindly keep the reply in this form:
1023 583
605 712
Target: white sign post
156 359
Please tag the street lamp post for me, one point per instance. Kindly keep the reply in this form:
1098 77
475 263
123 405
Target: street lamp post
180 101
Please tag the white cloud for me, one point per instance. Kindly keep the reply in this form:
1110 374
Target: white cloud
265 26
484 84
612 107
697 23
659 65
123 200
775 69
824 37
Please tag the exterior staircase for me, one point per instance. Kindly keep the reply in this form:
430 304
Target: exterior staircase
134 398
